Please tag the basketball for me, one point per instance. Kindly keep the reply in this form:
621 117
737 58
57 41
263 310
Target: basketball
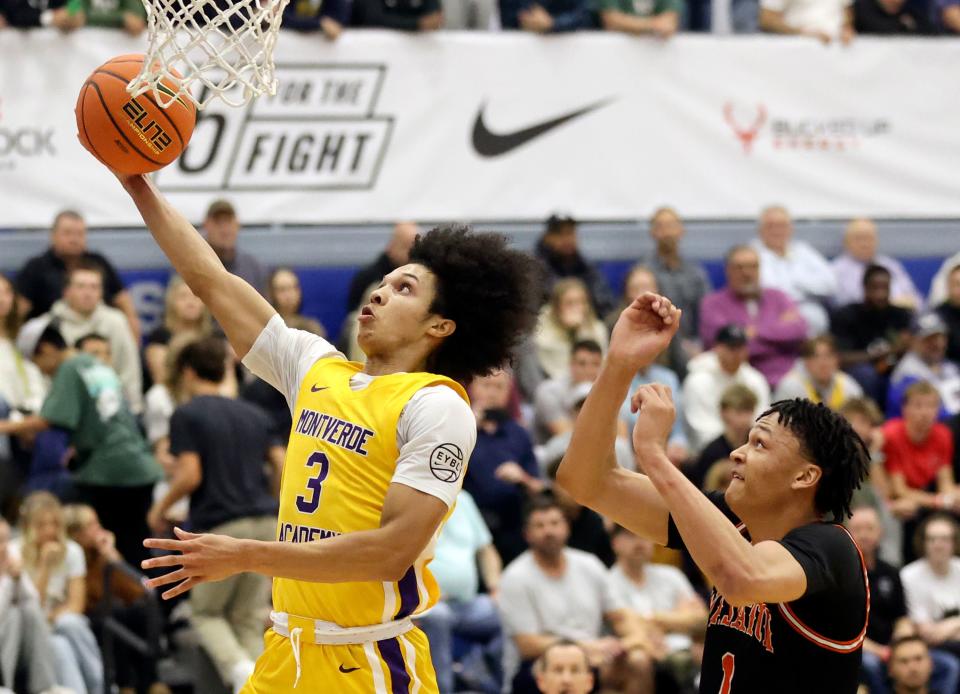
131 135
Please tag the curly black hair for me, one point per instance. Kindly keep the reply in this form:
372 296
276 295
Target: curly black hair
829 442
488 289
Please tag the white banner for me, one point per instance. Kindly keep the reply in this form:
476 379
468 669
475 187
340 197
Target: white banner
486 126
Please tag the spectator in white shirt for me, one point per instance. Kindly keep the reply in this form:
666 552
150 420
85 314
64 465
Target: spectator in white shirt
932 583
860 252
827 20
553 402
24 634
662 598
552 592
794 267
708 376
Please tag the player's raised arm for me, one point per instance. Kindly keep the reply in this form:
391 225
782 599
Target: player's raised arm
588 471
238 307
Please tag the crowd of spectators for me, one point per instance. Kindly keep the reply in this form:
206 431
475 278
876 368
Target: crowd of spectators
108 436
824 20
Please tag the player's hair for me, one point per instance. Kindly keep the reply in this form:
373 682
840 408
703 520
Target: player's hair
544 501
540 664
873 270
919 388
828 441
207 357
83 339
66 214
920 535
809 347
11 321
865 407
488 289
591 346
738 397
52 337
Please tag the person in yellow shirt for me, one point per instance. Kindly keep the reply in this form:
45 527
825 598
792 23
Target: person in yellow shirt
376 456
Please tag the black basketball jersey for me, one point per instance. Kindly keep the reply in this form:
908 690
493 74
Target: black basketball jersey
809 646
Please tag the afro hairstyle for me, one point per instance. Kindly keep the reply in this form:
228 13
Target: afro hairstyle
488 289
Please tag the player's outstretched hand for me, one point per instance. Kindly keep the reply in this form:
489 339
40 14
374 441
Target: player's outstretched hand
202 558
644 329
654 404
125 179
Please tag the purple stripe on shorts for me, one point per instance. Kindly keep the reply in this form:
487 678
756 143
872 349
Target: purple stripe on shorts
390 652
409 595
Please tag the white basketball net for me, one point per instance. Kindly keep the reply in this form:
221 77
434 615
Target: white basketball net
220 48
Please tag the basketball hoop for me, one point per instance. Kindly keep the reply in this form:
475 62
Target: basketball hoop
212 48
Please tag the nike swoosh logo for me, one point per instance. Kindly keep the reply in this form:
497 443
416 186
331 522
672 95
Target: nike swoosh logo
347 670
315 389
489 144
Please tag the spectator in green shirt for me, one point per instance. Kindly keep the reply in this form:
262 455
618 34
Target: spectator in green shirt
128 15
658 17
113 469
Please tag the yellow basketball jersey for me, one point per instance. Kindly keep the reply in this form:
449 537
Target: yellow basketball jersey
340 459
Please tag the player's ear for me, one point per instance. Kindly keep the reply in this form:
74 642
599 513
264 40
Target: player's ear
807 476
441 327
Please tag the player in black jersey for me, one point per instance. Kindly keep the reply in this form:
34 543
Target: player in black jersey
790 602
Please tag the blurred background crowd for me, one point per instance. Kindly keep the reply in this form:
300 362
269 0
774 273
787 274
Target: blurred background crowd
110 433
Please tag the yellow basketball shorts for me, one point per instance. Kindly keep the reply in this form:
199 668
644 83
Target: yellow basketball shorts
399 665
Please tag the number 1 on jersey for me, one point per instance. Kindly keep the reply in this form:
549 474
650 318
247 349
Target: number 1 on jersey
314 483
728 665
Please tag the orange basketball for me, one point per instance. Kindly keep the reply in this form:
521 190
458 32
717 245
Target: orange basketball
131 135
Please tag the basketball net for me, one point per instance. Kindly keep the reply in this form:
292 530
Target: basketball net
212 48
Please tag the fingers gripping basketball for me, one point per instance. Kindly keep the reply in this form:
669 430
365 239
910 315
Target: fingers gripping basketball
131 135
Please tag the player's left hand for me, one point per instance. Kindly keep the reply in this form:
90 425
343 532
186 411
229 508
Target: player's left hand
203 558
654 404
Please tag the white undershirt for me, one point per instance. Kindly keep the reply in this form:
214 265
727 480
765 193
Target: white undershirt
435 416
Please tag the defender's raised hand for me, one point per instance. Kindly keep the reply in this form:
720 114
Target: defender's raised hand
644 329
654 402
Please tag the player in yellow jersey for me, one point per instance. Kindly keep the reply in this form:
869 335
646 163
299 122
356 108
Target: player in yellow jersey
376 455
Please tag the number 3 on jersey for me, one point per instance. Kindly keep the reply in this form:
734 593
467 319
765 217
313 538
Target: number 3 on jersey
311 502
728 665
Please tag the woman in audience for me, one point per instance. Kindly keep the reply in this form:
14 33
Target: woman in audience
283 293
567 318
57 568
641 279
183 313
22 389
135 672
